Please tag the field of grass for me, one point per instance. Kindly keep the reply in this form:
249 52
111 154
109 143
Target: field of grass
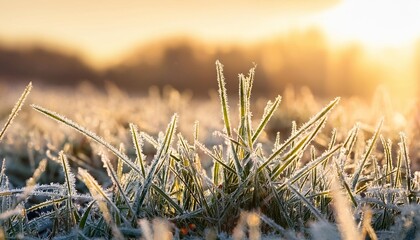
87 164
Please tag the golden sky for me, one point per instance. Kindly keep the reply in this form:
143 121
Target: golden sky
101 29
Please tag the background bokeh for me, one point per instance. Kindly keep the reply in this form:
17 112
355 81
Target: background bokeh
336 48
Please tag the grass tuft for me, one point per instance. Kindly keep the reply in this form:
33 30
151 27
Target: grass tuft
320 179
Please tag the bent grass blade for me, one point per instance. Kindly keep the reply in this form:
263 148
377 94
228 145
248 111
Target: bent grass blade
57 117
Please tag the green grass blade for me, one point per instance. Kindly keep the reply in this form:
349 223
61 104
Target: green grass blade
250 81
138 147
120 164
98 193
168 199
344 183
310 166
371 145
112 174
196 130
405 155
3 177
248 122
225 113
280 204
298 149
387 145
195 171
351 138
85 215
163 151
270 110
45 204
291 156
223 97
70 182
242 105
216 158
304 128
308 204
333 139
397 180
187 184
245 127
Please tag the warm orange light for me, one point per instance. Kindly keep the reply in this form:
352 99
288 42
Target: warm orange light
105 29
375 23
304 41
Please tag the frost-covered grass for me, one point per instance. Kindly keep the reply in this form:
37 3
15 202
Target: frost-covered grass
118 172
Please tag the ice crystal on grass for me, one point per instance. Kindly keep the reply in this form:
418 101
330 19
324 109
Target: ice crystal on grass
310 184
16 109
88 133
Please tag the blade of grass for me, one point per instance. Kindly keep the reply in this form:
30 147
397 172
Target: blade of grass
223 97
163 151
57 117
85 215
216 158
45 204
333 139
3 177
120 164
351 138
16 110
404 151
195 172
305 127
242 105
397 180
225 114
371 145
168 199
111 173
98 194
270 110
280 205
70 183
310 166
311 207
289 159
138 144
387 145
297 149
343 181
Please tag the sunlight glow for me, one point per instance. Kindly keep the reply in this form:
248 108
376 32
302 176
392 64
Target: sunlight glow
360 42
375 23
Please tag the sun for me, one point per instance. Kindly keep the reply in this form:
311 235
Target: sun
376 23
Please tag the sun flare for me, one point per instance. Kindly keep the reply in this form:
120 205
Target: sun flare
374 23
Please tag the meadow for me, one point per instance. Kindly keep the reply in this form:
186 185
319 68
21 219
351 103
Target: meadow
84 163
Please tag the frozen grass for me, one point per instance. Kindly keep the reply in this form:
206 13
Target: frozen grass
306 185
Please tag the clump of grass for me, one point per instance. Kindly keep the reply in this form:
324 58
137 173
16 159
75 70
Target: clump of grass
254 189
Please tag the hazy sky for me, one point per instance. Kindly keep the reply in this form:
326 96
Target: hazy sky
104 28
